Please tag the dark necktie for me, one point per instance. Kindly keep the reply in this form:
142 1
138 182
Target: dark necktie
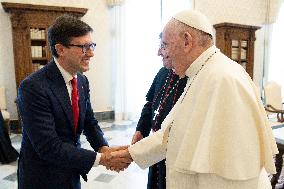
75 100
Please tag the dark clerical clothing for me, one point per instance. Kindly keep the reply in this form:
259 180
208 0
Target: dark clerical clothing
161 97
7 152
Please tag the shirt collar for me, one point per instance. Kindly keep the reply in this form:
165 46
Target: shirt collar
196 65
66 75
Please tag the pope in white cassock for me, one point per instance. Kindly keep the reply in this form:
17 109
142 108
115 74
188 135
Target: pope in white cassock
217 135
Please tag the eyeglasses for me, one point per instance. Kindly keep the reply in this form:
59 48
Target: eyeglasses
163 46
85 47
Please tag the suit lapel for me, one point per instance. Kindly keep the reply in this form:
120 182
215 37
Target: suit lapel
59 89
81 101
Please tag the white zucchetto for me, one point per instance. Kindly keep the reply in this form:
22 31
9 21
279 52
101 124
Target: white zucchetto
195 19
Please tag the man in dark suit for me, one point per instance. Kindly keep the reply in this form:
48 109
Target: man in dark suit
55 108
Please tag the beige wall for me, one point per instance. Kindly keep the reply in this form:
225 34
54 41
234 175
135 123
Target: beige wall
100 69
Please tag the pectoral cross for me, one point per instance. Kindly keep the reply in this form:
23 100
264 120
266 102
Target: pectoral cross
156 113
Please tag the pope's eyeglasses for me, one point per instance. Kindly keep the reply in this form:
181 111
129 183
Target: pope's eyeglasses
163 46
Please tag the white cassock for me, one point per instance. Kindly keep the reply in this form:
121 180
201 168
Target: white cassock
217 135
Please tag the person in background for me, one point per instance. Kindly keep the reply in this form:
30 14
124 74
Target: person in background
55 108
217 135
8 153
165 90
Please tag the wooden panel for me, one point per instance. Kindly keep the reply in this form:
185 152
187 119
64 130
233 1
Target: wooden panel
229 33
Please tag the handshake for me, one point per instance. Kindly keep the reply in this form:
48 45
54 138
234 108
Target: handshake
115 158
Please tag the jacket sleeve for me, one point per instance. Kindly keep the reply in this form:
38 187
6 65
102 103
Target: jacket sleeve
92 130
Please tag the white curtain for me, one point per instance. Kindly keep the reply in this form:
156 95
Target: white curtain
142 28
118 63
276 62
136 29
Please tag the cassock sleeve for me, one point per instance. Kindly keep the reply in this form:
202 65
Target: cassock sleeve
145 122
150 150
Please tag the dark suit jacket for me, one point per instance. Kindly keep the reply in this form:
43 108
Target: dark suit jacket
51 157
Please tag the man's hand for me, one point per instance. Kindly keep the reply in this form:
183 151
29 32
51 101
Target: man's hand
136 137
122 155
107 149
113 163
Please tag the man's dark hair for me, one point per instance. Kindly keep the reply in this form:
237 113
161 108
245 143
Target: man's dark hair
64 29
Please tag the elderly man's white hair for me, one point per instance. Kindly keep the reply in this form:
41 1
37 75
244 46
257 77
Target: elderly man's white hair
195 19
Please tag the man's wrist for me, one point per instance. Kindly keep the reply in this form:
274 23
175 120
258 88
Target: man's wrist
103 149
99 158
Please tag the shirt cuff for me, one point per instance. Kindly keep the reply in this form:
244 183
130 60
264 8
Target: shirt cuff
97 161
